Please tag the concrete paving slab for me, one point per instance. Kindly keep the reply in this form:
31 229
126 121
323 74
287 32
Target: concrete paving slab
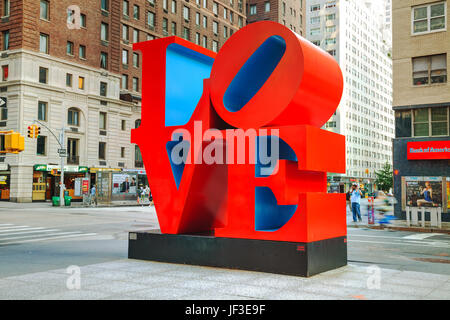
115 287
153 280
74 295
243 290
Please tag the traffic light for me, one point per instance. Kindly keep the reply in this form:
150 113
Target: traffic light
37 131
14 143
30 131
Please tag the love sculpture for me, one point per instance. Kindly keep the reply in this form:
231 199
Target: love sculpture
206 120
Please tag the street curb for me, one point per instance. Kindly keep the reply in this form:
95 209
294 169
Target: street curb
412 229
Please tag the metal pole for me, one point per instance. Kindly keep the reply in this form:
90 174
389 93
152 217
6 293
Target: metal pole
61 183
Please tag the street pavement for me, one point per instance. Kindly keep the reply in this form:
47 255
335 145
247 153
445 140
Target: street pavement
44 251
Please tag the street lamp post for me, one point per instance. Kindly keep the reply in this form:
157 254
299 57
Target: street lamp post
61 182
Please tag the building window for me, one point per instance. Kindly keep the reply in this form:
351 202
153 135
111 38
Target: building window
44 10
186 33
83 20
225 32
68 80
41 143
186 13
122 152
315 7
429 18
430 69
135 35
73 117
165 5
329 17
136 12
330 29
43 43
135 84
135 60
215 8
105 5
150 19
104 32
103 88
42 111
81 83
126 8
125 57
125 81
43 75
5 40
225 13
421 123
403 124
215 46
439 121
125 33
82 52
430 122
205 42
102 121
124 125
174 6
102 150
165 26
215 27
174 29
267 6
330 41
252 9
332 52
69 48
72 151
205 22
103 60
314 31
197 18
3 117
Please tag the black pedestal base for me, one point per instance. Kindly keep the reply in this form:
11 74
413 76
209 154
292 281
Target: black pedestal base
290 258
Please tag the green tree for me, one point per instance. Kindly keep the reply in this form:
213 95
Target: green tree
385 178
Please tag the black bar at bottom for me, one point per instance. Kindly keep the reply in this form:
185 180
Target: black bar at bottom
290 258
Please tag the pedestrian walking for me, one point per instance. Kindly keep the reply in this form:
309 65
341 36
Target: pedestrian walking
355 199
93 197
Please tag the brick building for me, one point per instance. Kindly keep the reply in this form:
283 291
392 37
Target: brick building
70 63
290 13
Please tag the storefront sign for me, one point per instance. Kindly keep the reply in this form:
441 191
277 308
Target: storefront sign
134 170
50 167
421 150
3 179
85 186
94 170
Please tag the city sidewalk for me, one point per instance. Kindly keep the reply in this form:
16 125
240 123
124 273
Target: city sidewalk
48 204
134 279
399 225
